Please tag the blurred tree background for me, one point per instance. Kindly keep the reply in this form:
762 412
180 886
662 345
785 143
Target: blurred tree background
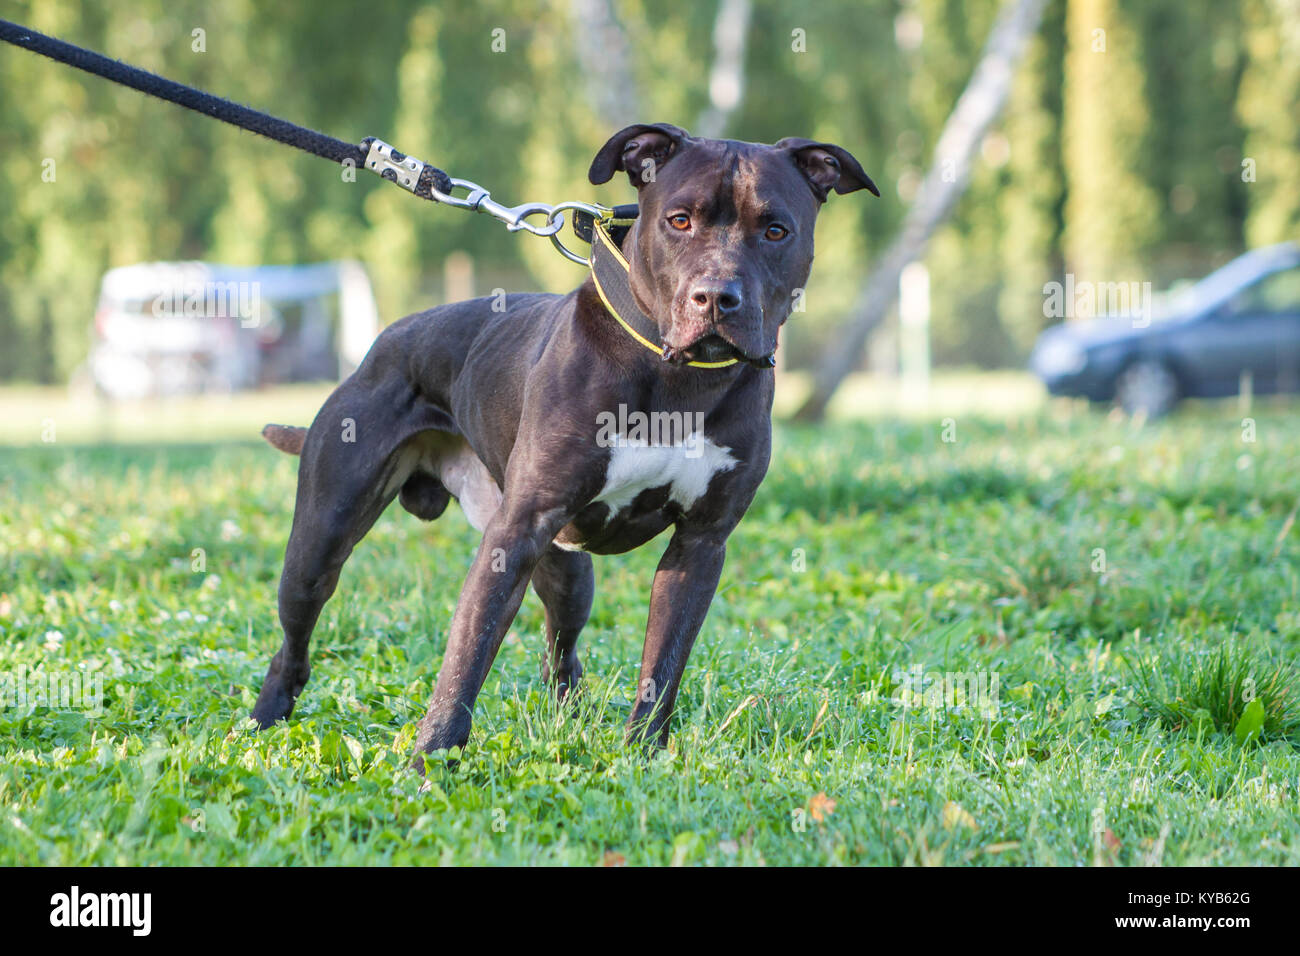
1144 140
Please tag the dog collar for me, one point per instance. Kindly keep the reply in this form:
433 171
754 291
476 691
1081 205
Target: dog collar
611 274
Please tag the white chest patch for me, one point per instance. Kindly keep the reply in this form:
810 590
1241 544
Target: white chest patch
688 467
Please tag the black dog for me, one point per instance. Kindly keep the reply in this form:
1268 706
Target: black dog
545 421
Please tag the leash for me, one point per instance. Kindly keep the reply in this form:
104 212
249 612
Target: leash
604 227
414 175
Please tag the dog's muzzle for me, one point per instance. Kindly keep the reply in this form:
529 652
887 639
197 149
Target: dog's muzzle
714 348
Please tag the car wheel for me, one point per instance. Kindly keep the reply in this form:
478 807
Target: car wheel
1147 386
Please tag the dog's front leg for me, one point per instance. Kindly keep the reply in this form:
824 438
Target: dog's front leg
512 544
683 588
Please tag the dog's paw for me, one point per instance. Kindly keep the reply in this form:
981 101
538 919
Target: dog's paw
566 681
279 693
425 759
267 712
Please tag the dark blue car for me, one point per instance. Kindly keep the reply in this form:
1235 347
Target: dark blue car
1243 318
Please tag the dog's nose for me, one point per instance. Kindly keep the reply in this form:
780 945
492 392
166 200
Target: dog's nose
716 297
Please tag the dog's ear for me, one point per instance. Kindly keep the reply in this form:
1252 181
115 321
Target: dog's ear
640 151
827 167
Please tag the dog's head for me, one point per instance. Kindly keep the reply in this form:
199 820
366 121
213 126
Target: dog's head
725 232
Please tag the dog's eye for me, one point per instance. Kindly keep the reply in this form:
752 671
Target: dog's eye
776 233
681 221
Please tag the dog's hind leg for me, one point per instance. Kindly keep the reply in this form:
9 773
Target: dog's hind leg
565 582
352 467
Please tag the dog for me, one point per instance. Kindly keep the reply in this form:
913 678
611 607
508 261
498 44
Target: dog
533 417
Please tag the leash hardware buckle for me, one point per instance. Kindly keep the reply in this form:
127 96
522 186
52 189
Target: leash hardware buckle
595 210
478 199
394 165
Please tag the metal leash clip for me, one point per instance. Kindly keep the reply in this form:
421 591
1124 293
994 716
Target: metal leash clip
597 212
479 199
407 171
397 167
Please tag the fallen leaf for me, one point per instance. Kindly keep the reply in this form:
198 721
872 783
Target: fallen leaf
820 807
954 815
1002 847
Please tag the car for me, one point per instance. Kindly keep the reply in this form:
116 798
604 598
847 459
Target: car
1242 320
166 328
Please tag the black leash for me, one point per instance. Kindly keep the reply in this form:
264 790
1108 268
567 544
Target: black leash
236 114
414 175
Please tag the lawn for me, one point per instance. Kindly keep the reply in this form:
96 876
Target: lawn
1063 640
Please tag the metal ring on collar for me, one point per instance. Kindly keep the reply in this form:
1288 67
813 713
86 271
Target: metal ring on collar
595 210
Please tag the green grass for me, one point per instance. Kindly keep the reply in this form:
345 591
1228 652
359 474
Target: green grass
812 727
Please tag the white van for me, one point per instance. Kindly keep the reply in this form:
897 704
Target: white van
167 328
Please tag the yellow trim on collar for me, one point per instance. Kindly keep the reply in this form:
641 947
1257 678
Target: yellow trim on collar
600 235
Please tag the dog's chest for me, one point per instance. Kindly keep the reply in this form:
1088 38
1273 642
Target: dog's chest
681 472
685 469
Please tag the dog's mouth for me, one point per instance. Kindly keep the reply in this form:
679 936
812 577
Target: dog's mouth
714 348
708 348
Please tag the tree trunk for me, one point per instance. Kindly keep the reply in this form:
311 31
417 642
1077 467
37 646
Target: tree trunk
976 109
727 78
604 63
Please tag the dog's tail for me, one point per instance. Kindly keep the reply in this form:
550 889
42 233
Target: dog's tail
287 438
